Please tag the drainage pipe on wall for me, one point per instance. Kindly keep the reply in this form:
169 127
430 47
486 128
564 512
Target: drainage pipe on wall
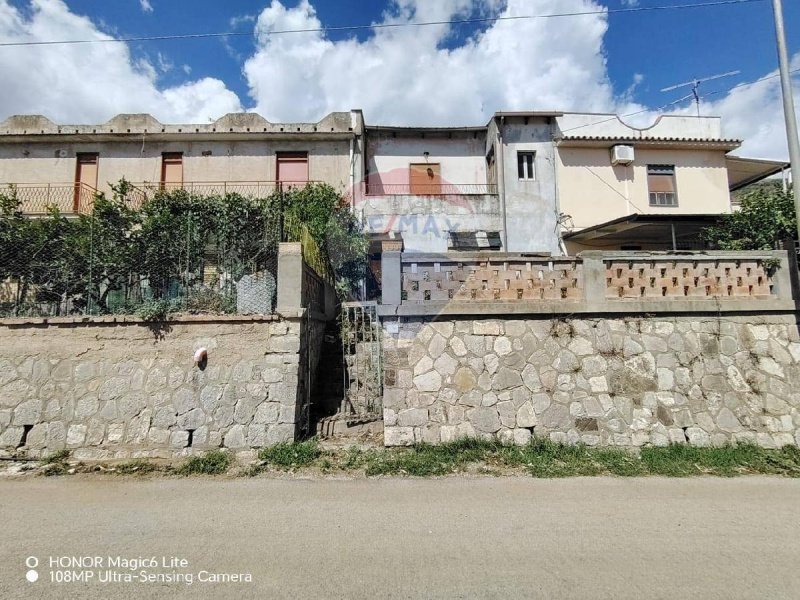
501 179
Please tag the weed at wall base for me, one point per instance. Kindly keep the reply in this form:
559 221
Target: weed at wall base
214 462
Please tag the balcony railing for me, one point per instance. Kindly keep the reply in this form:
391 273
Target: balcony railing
39 198
255 189
430 189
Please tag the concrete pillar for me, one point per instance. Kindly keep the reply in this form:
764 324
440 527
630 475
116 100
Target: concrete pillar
290 278
391 272
784 277
594 277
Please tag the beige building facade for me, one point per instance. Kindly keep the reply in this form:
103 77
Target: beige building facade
537 182
63 165
653 188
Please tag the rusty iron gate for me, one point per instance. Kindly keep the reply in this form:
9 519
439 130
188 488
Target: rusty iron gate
363 361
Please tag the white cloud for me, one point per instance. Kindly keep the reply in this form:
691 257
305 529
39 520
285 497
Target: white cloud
406 75
146 6
90 83
409 76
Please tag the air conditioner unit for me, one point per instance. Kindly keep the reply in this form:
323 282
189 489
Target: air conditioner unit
622 155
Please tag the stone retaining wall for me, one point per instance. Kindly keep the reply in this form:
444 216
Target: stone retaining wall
705 380
123 389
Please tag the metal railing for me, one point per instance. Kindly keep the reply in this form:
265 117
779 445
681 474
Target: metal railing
39 198
254 189
430 189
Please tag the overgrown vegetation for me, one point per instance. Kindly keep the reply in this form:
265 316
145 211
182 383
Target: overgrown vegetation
213 462
290 455
178 251
765 219
56 463
540 458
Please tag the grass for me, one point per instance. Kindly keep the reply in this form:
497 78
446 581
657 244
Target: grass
288 455
213 462
540 458
55 463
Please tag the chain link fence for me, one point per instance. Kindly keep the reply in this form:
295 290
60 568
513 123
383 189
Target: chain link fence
178 252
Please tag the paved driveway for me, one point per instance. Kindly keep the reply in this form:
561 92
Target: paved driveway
394 538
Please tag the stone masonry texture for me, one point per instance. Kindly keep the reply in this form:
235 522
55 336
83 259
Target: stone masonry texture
702 380
124 390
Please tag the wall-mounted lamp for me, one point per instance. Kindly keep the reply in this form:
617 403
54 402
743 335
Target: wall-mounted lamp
26 153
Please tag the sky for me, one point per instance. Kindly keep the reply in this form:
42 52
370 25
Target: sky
445 74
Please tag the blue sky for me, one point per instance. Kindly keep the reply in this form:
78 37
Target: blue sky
666 47
420 75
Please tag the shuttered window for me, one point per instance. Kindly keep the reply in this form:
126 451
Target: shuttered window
425 179
292 168
661 185
171 170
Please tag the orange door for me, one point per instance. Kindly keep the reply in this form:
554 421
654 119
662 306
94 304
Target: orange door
425 179
171 170
85 175
292 168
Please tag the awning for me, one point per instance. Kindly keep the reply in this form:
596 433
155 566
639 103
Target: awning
671 231
744 171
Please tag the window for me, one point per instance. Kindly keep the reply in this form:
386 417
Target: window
292 168
425 179
661 185
171 170
526 166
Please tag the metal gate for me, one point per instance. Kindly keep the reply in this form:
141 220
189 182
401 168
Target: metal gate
363 361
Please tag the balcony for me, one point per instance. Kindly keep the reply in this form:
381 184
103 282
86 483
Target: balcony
440 206
253 189
433 189
40 198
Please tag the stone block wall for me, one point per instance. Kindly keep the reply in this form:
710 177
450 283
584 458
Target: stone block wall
699 379
119 389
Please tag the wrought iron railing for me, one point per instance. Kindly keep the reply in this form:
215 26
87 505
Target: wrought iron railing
430 189
254 189
40 198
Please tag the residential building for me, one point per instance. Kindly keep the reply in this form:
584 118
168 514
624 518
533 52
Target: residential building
65 165
653 188
526 182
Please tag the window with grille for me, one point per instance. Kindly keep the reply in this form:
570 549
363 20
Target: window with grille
661 185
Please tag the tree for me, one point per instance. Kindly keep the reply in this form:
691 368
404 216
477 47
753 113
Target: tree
766 218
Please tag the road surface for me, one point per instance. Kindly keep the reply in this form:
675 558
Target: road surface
400 538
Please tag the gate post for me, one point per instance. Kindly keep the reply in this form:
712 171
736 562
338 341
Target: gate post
290 278
391 272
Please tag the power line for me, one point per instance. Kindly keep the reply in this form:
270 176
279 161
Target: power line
609 11
679 100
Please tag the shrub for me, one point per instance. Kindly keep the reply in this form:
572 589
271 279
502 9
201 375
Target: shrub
214 462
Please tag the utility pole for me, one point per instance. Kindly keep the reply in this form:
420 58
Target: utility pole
788 105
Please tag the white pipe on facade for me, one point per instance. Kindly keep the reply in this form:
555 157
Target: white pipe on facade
501 179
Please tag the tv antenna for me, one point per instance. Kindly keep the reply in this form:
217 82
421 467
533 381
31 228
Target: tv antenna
696 87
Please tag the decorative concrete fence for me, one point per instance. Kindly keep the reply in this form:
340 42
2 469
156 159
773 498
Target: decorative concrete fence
119 387
624 349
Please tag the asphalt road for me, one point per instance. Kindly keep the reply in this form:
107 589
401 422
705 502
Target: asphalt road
393 538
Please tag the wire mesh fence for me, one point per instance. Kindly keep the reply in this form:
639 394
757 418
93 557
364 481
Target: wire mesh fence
178 252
